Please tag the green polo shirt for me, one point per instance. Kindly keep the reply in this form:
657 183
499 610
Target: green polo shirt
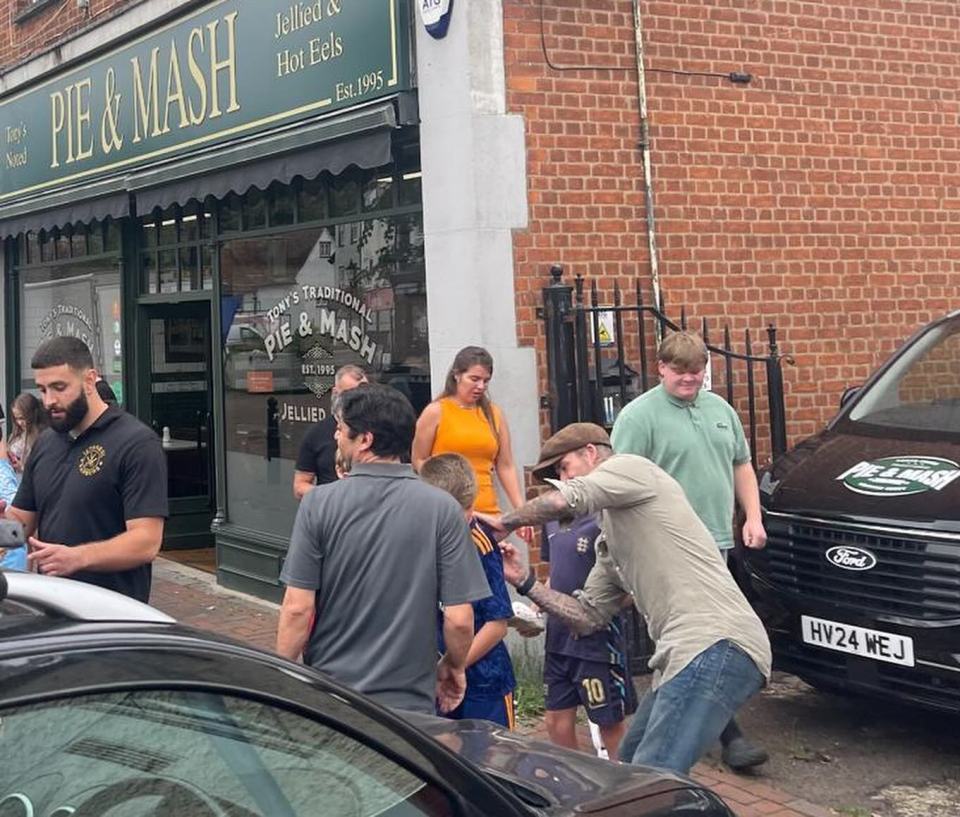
697 442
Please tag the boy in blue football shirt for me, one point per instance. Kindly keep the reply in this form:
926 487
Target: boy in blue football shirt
590 671
490 681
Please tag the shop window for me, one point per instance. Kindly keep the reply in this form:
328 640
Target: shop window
111 236
33 249
229 213
80 298
312 201
169 272
344 196
254 210
190 224
189 269
46 247
206 267
78 241
167 233
180 262
61 248
148 267
378 193
208 218
95 238
298 305
410 189
282 205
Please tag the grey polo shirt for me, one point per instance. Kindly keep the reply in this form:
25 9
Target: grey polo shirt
382 550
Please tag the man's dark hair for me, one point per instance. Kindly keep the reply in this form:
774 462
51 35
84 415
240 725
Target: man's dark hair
57 351
385 413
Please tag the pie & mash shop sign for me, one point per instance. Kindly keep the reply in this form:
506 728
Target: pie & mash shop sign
230 69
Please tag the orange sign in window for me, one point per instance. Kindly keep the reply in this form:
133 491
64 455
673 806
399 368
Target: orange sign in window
259 382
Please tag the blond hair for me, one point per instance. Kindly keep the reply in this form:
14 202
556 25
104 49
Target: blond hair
684 350
453 474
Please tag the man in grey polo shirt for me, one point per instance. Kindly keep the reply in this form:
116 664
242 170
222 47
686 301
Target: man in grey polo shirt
371 558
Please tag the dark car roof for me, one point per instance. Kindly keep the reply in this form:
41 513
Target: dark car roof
48 654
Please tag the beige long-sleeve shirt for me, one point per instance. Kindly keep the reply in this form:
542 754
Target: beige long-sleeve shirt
655 547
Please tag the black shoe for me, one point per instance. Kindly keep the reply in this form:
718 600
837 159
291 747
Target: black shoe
739 754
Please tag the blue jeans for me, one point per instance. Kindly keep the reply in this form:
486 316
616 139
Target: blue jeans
681 719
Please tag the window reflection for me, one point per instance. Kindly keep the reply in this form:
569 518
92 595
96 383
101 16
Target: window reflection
295 308
80 299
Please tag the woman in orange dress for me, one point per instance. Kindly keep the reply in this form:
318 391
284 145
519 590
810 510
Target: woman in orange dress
463 420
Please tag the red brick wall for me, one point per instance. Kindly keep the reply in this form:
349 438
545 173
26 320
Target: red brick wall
822 196
50 25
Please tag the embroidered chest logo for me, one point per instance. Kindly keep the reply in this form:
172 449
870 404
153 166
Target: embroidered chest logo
583 543
91 460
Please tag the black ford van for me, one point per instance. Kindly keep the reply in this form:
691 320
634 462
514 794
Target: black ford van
859 584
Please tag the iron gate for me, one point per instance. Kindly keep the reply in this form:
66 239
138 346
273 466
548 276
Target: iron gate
599 357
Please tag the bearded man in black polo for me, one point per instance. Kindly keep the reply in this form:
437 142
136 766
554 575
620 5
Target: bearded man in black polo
93 498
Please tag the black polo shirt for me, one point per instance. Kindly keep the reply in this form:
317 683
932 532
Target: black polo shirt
318 451
85 489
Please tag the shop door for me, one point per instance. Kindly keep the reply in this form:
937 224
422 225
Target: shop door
176 403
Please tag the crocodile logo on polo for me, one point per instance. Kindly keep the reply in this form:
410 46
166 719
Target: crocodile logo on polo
900 476
91 460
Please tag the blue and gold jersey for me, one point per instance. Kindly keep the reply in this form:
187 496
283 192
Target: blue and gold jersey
571 554
492 675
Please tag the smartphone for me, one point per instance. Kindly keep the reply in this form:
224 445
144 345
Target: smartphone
11 534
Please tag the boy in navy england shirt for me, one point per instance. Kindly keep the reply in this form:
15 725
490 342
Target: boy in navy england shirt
591 670
490 681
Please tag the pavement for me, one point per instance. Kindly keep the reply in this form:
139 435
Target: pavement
194 598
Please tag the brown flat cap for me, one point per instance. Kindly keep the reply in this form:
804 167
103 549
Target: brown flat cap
567 439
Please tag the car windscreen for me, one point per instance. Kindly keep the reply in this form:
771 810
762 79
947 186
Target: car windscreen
920 391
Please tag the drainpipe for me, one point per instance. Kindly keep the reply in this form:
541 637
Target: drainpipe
647 168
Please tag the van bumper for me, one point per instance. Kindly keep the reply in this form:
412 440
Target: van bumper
933 682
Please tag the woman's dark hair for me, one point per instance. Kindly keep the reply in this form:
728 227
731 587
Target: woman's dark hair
385 413
472 356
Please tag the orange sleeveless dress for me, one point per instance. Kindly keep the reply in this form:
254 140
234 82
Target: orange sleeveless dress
465 431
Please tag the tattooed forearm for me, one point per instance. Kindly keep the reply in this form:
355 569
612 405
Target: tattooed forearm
580 618
544 508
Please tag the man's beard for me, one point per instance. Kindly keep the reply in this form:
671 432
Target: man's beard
73 415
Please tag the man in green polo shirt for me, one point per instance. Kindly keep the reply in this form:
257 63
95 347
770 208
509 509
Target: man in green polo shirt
696 437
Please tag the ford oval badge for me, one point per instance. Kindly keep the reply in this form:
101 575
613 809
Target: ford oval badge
851 558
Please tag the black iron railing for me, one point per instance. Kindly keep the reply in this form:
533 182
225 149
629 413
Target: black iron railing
602 355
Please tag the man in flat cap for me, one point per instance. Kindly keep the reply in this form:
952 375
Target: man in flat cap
712 653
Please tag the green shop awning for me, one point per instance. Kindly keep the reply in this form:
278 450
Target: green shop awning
360 137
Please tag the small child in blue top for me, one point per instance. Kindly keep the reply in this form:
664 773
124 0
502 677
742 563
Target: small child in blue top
15 558
490 681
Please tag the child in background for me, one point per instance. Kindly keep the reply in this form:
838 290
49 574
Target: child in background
490 681
29 420
590 671
15 558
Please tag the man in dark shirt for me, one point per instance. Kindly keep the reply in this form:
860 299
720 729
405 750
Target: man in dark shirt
93 498
316 460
